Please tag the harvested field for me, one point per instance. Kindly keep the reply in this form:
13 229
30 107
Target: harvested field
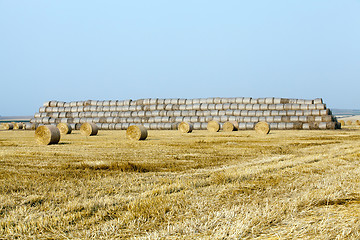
224 185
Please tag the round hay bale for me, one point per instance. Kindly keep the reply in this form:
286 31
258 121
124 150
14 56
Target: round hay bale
18 126
230 126
47 134
262 128
213 126
185 127
64 128
8 126
89 129
357 122
136 132
349 123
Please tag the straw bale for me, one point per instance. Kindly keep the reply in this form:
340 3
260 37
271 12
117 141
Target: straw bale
181 101
357 122
247 100
185 127
230 126
315 112
261 101
281 126
252 113
306 126
249 106
229 112
18 125
277 100
284 100
242 126
8 126
239 100
254 101
214 112
262 128
237 112
213 126
244 113
204 106
349 123
47 134
299 113
89 129
250 125
234 106
273 126
269 100
64 128
241 106
300 101
318 101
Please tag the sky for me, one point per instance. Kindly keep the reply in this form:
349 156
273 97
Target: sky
113 50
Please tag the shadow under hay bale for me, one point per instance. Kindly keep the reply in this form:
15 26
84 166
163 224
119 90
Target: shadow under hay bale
136 132
47 134
89 129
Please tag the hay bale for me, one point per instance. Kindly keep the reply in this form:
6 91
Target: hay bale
213 126
18 125
357 122
136 132
89 129
64 128
349 123
262 128
231 126
185 127
47 134
8 126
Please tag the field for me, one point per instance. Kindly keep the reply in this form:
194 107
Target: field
239 185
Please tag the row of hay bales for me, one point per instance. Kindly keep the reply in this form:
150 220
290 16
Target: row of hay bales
164 114
173 107
181 101
349 122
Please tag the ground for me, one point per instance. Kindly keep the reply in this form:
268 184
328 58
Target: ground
202 185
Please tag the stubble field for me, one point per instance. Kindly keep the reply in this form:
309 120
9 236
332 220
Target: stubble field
239 185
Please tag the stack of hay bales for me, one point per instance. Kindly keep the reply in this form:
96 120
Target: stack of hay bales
166 114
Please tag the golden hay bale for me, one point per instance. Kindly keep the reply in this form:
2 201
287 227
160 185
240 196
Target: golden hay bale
18 126
348 123
342 122
89 129
136 132
185 127
64 128
357 122
8 126
213 126
230 126
262 128
47 134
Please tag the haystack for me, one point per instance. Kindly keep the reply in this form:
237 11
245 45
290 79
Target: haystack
230 126
47 134
89 129
64 128
262 128
136 132
213 126
185 127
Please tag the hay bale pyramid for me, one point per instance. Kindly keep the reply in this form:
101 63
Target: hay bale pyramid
167 114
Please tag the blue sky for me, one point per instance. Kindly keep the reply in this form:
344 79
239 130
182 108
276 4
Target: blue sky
80 50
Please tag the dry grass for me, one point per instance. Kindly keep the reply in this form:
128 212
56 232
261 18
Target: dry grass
238 185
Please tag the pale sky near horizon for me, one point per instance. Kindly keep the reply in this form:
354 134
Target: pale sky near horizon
80 50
